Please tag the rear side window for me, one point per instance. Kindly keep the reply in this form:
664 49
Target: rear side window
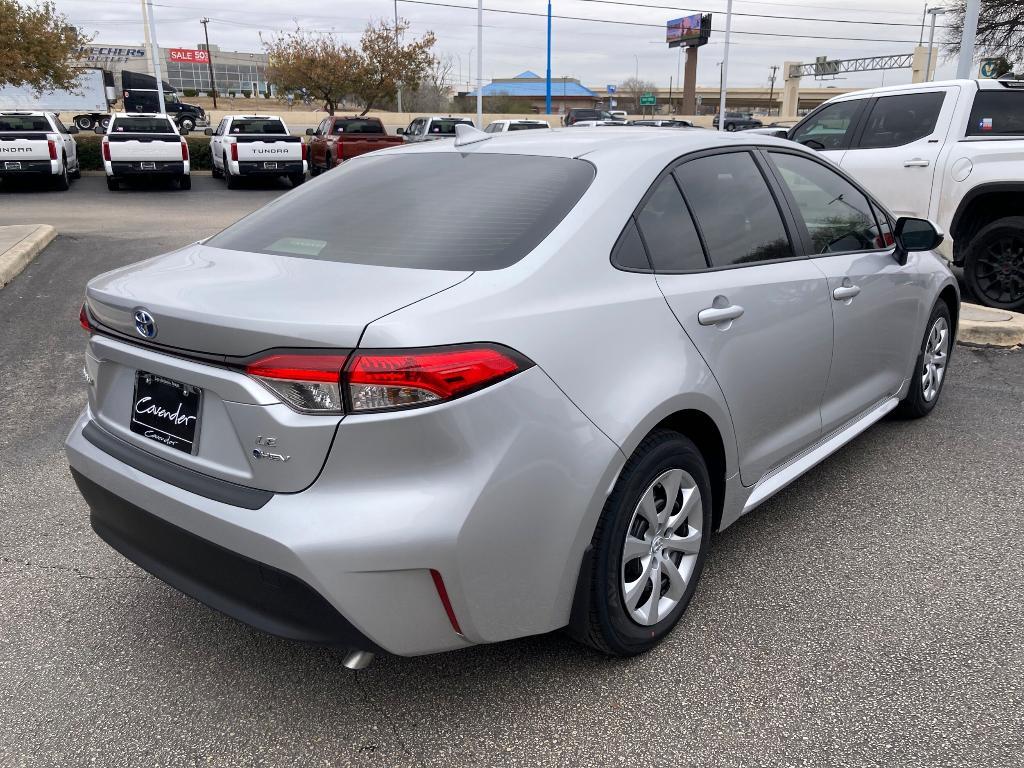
24 123
437 210
526 126
258 126
735 210
141 125
358 126
668 230
997 113
838 217
629 252
829 127
898 120
446 126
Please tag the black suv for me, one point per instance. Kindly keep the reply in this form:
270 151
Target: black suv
736 121
576 115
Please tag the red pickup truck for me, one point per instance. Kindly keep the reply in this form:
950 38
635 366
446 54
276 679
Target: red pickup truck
337 139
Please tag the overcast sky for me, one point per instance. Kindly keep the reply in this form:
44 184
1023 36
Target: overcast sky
595 52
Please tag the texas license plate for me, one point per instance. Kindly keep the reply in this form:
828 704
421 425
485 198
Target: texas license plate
166 411
148 166
270 166
12 166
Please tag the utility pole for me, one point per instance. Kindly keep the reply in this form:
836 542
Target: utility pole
479 63
209 61
154 50
725 67
966 60
771 89
396 45
935 12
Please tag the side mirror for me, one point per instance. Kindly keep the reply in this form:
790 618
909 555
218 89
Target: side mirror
208 131
913 235
99 130
400 132
310 132
72 129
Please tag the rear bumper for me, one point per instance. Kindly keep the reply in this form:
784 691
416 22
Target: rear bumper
245 589
121 168
257 168
498 491
28 168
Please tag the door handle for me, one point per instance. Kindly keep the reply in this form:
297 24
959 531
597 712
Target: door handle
845 292
716 315
917 162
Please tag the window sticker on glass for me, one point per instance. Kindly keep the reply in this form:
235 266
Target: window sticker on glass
985 124
298 246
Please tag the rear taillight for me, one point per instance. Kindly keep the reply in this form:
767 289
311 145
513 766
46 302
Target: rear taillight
234 152
305 150
83 319
308 382
106 150
53 149
384 380
184 150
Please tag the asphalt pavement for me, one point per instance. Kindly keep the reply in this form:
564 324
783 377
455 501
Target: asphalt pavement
868 615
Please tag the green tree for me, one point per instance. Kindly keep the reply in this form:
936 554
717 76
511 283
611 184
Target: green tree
39 46
314 64
388 61
1000 30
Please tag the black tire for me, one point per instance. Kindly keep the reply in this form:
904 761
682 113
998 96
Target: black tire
296 178
994 264
730 127
62 182
313 170
187 124
185 183
917 404
113 184
609 626
84 122
77 173
328 162
215 172
105 122
229 177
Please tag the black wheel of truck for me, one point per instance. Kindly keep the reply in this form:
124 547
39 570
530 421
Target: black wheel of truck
994 264
84 122
186 123
113 184
63 182
296 178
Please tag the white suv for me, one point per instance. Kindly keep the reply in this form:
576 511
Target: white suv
949 151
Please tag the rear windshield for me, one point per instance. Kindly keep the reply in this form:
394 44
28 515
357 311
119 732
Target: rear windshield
275 127
24 123
446 126
142 125
997 113
526 126
358 126
436 210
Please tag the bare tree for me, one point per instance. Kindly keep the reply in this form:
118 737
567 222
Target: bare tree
433 94
635 88
1000 29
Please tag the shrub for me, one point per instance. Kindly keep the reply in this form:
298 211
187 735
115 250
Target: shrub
92 160
247 94
190 93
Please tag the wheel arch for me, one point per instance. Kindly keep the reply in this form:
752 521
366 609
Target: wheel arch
699 427
982 205
951 298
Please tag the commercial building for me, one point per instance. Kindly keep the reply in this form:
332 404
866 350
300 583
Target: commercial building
566 92
183 68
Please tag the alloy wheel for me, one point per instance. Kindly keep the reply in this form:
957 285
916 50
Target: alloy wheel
936 355
999 271
662 545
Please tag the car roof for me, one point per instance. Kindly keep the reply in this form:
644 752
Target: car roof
609 142
917 87
252 117
139 114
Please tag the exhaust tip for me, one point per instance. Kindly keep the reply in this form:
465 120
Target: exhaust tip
356 660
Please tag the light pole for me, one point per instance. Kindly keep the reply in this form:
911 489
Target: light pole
966 60
154 49
209 61
547 78
933 12
479 62
725 67
396 45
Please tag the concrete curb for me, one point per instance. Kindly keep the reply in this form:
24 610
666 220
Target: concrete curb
984 326
21 244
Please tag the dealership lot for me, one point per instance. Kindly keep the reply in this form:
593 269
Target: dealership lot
868 615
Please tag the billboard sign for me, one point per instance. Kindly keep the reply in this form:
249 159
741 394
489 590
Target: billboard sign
688 30
188 55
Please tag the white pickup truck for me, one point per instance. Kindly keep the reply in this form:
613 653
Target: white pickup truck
147 145
38 144
243 146
950 151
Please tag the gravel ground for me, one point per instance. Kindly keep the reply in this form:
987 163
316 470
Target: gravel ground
869 615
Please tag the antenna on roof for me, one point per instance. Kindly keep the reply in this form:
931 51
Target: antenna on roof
467 134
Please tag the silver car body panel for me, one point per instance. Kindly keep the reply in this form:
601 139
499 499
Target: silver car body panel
500 490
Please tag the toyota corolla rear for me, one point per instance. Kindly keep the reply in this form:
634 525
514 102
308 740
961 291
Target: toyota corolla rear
241 444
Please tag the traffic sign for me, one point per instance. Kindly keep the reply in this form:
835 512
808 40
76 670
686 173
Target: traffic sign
992 69
647 100
611 88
